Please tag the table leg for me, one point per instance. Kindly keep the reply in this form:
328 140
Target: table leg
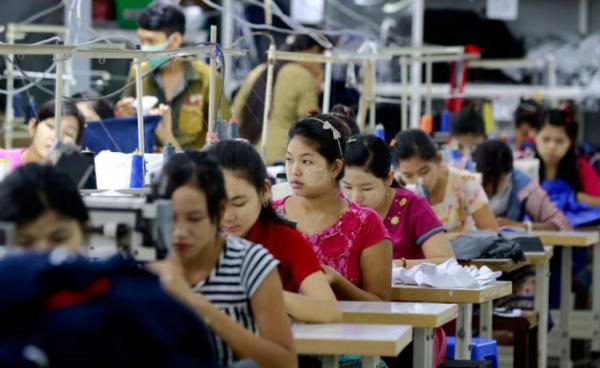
565 307
330 361
596 297
369 361
542 282
463 332
422 347
485 320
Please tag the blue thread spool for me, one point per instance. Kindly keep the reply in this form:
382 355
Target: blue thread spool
168 151
445 122
137 171
379 131
234 132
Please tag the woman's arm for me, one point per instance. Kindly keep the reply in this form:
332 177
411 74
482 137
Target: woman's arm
376 268
316 302
484 219
273 348
436 249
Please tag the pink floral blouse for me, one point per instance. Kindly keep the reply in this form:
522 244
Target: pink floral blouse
340 245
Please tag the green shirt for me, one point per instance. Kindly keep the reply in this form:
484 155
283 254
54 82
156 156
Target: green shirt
189 106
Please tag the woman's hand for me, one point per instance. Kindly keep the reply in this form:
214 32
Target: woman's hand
331 274
170 273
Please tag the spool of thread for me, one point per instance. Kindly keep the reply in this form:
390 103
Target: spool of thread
168 151
234 131
427 123
445 121
379 131
136 179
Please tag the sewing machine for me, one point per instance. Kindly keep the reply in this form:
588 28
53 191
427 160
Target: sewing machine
134 227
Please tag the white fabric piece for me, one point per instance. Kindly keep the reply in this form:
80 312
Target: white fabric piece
449 274
113 169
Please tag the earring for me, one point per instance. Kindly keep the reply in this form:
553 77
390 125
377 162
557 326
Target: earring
265 204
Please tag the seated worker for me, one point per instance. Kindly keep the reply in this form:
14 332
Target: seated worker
455 195
514 195
527 123
180 84
468 131
41 130
46 296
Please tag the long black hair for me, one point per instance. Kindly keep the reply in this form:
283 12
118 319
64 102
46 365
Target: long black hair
493 159
370 153
33 189
241 158
199 169
568 169
414 143
252 112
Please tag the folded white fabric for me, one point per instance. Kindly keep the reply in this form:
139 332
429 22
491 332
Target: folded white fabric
113 169
449 274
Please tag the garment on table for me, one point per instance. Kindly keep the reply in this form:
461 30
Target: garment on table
14 156
189 105
341 244
463 196
295 95
297 260
240 270
410 222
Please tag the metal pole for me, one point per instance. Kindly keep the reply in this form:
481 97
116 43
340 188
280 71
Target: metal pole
269 12
140 108
327 84
212 82
428 81
551 70
58 95
404 81
372 104
268 96
415 70
227 32
10 87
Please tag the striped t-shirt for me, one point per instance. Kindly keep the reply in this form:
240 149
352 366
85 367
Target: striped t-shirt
240 270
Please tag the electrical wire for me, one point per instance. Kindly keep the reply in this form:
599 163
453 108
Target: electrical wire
318 39
43 13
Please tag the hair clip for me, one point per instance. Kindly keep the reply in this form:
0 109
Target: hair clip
327 125
393 143
336 134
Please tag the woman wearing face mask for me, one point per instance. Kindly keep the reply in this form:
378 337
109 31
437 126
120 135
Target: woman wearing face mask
295 94
249 215
235 284
45 207
41 130
456 196
417 234
350 241
555 148
514 195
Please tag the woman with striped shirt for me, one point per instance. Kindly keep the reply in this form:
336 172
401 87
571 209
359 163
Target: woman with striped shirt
235 284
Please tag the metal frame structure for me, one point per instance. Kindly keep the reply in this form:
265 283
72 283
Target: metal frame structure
14 32
62 53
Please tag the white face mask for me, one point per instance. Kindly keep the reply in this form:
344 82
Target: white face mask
159 61
499 202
